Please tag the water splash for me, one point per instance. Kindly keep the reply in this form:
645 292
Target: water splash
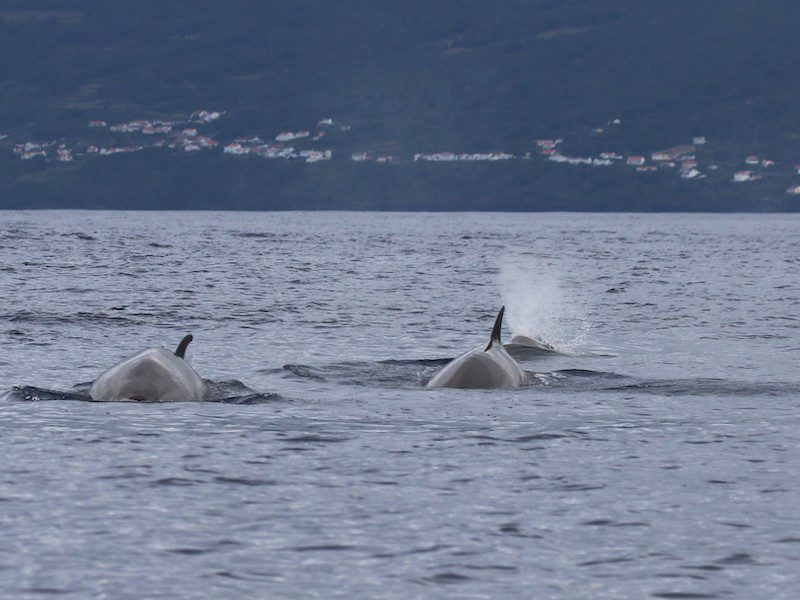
538 306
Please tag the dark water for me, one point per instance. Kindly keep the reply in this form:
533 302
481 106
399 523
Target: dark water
657 455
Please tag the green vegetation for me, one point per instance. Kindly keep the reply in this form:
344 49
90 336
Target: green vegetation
418 76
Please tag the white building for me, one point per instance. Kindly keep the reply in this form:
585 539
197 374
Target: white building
548 144
205 116
235 149
570 160
286 136
441 157
253 141
675 153
313 156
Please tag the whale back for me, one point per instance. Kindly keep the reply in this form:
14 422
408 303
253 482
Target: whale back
152 375
524 341
482 368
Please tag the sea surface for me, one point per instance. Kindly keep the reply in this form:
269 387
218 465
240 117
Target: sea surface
655 454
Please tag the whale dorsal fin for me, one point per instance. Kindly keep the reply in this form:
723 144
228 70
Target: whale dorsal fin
181 351
498 325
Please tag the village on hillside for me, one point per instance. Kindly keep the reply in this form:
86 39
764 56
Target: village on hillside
187 136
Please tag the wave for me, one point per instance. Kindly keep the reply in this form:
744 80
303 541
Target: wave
710 387
51 318
80 235
225 392
414 374
580 380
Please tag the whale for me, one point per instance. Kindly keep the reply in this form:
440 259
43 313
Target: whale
152 375
483 367
524 347
523 341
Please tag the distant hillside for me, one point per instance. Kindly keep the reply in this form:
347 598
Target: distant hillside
415 77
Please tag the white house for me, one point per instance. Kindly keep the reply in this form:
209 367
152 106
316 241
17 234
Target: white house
740 176
205 142
313 156
674 153
236 149
205 116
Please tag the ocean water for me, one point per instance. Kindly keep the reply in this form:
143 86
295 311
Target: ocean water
656 454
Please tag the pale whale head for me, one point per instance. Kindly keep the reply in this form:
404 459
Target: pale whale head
482 368
152 375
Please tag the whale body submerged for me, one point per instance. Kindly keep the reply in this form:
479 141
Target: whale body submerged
524 341
152 375
482 368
